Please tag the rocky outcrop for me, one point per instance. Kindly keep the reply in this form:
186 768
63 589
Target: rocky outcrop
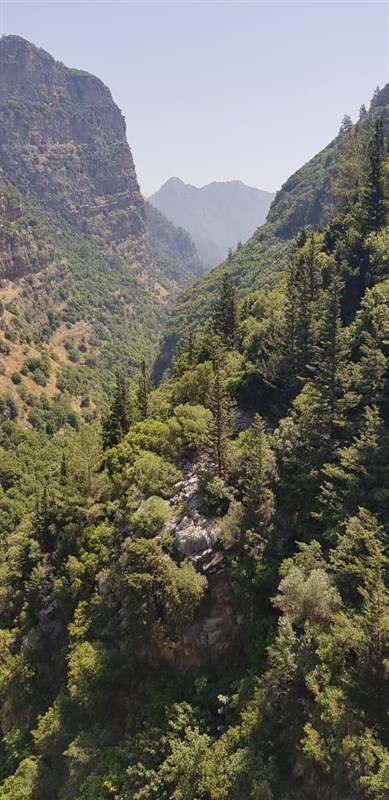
195 535
64 143
219 621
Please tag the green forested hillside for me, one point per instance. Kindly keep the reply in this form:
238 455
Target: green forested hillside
308 198
172 248
194 593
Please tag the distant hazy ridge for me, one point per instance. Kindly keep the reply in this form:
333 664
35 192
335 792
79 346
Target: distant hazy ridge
217 216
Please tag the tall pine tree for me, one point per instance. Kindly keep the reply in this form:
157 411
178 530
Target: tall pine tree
259 470
225 315
220 427
143 392
121 415
374 204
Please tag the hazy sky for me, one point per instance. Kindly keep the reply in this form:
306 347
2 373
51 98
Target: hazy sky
219 90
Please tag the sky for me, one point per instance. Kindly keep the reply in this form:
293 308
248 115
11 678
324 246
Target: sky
216 91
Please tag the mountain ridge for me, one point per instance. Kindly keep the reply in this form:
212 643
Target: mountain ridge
217 215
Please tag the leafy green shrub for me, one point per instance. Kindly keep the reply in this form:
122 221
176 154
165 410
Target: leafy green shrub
8 408
11 308
194 386
188 427
16 378
230 528
150 517
215 493
154 476
39 377
33 364
4 349
150 435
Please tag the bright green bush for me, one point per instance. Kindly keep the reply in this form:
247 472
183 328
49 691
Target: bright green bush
188 427
150 517
153 475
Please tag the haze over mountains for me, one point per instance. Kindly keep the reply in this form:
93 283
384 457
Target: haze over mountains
217 216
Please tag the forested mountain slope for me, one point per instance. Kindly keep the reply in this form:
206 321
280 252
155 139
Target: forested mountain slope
194 589
172 248
85 288
217 215
309 198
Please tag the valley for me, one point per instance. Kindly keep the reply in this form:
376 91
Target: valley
194 468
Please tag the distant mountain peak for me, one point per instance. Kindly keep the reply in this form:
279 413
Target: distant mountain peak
174 181
217 215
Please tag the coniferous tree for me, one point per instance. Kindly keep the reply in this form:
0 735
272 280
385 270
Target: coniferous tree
375 98
210 345
225 315
143 392
346 125
121 415
220 427
308 284
330 356
290 330
374 205
64 467
303 285
359 475
191 348
259 470
372 336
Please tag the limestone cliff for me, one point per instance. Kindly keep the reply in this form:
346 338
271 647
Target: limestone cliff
83 276
64 143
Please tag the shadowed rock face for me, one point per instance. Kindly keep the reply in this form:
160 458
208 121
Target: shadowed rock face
64 143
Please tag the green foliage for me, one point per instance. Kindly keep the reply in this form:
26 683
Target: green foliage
215 493
225 315
259 468
121 415
220 427
154 475
194 385
188 427
150 517
143 393
158 596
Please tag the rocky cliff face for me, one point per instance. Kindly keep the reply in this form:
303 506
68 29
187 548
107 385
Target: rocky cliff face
64 143
23 247
82 275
